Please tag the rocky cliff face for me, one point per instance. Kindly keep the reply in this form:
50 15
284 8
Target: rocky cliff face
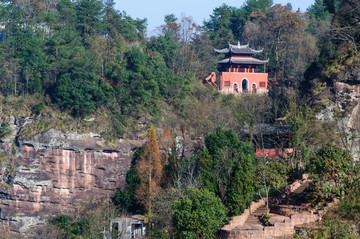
343 107
57 171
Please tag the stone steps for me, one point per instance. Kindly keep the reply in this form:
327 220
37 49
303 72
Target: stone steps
252 221
282 227
254 217
302 187
261 211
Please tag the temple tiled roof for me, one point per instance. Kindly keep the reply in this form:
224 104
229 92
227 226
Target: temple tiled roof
245 61
238 49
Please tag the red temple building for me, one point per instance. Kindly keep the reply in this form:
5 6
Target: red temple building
239 71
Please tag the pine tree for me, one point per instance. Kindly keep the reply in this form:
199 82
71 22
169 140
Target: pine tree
207 172
150 170
226 168
241 189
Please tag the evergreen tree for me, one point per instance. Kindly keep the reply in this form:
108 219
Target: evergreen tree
79 88
126 198
257 5
225 25
227 160
89 13
199 214
241 189
207 172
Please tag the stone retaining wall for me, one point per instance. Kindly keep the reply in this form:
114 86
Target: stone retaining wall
282 226
238 221
285 228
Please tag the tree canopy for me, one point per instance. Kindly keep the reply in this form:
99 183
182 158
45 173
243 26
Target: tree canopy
227 169
331 168
198 214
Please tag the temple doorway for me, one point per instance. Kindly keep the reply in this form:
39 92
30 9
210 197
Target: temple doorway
245 85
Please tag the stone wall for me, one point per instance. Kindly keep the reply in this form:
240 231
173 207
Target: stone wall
280 229
282 226
238 221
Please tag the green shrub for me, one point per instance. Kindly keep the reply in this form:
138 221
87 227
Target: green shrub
331 168
69 227
38 108
199 214
335 228
349 206
265 220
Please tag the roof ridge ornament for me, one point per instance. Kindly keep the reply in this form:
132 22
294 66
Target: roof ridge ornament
238 49
238 60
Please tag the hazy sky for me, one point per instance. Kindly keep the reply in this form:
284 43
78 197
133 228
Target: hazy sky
155 10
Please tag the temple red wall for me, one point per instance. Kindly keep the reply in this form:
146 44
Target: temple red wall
274 153
237 77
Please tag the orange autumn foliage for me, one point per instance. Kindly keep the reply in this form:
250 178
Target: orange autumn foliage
149 170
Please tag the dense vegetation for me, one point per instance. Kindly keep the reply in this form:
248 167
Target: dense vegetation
79 56
82 56
85 64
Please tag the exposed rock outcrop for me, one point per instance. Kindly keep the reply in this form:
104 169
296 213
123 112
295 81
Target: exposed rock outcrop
56 171
343 107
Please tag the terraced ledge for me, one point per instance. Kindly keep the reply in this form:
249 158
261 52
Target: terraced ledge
248 225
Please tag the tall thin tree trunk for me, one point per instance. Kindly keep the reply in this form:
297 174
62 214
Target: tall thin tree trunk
267 194
150 191
15 80
27 80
